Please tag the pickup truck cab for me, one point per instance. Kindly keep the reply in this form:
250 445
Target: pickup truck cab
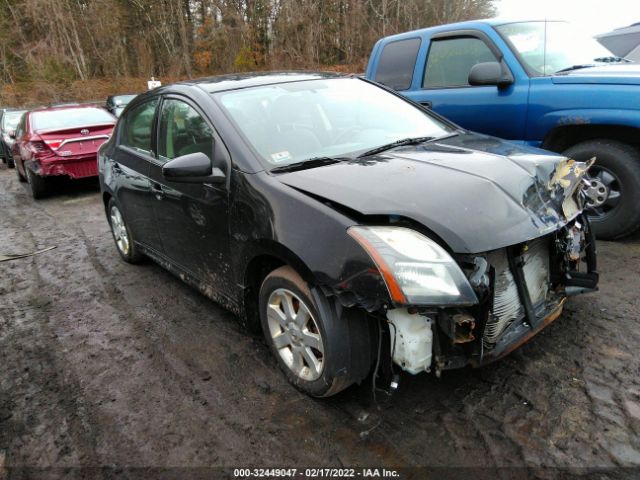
539 83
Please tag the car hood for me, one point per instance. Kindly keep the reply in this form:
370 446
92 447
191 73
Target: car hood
476 193
616 74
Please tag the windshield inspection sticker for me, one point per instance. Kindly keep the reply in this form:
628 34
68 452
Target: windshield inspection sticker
280 157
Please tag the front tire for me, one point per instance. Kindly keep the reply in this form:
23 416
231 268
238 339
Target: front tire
321 348
617 172
122 235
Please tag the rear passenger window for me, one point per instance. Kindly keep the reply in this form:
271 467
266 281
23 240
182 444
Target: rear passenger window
138 127
450 61
182 131
396 64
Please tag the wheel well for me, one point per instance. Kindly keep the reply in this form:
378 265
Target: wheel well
257 269
561 138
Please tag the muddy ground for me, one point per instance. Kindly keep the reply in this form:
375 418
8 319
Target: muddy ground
105 364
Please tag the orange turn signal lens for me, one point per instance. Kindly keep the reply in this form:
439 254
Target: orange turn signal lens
392 285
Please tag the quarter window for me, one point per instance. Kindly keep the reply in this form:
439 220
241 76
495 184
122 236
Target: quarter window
397 62
450 61
182 131
138 127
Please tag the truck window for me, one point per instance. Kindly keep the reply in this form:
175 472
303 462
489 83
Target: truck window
396 64
450 60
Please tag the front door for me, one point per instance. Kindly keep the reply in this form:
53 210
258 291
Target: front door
445 88
130 163
192 217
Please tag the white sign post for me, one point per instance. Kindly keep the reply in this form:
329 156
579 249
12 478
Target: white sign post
153 83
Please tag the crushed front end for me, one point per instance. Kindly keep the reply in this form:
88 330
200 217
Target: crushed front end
521 289
455 310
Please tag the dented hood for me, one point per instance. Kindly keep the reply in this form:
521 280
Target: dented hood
475 192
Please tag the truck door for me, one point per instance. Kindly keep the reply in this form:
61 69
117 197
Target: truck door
445 88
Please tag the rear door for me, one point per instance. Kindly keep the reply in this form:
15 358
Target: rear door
443 85
192 217
130 163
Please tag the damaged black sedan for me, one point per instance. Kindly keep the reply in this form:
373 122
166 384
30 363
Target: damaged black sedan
357 229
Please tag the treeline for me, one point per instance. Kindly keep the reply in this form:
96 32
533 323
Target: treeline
69 40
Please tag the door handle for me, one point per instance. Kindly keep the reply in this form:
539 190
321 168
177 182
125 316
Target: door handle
116 168
426 103
157 190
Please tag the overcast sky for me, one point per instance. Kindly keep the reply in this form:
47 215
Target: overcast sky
596 16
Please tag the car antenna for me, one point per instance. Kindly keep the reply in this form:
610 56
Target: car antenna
544 46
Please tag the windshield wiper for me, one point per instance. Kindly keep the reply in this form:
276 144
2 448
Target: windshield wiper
309 163
611 59
397 143
576 67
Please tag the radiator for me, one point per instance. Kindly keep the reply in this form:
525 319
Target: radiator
507 307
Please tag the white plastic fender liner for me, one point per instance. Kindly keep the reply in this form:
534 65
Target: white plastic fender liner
411 340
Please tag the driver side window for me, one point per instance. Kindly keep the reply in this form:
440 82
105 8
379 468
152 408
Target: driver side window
138 127
182 131
450 60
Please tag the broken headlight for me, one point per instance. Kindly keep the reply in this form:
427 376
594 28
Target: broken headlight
416 269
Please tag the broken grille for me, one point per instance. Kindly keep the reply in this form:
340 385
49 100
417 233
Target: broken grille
507 307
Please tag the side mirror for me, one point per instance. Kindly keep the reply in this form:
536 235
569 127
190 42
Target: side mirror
192 168
12 134
490 73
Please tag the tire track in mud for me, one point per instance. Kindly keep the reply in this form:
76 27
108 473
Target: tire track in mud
65 386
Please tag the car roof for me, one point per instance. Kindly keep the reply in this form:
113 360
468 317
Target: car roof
64 107
221 83
471 24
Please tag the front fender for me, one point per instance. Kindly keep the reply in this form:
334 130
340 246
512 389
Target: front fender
276 220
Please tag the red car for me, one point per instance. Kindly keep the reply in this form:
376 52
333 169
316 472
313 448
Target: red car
60 141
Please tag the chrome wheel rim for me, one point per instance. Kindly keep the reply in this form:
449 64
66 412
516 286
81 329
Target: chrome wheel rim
119 230
295 334
603 192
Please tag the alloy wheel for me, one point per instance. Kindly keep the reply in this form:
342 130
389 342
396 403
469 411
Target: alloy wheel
295 334
119 230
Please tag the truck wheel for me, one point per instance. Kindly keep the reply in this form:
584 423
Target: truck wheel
37 183
613 196
321 350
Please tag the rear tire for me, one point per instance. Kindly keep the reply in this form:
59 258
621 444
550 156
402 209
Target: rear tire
618 166
21 178
38 184
122 235
321 348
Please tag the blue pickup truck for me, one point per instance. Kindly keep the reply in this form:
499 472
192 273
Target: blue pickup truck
538 83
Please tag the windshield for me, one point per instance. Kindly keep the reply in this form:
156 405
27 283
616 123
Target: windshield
565 46
122 100
10 120
70 118
292 122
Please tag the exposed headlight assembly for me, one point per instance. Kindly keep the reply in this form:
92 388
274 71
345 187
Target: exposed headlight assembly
416 269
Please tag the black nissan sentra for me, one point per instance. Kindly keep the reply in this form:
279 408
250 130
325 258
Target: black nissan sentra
359 230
